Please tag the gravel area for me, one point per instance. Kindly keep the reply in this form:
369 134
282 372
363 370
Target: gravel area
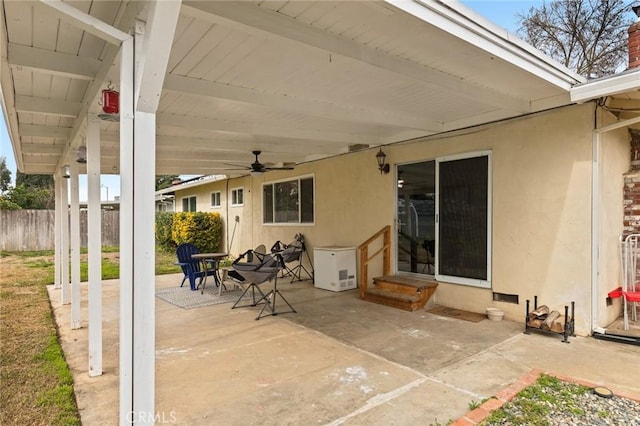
566 404
599 411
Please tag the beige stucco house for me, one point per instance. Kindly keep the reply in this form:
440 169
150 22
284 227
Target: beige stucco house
536 188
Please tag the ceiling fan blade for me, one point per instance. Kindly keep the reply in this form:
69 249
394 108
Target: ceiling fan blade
279 168
239 166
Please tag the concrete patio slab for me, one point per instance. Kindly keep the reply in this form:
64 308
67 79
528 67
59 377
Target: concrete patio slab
339 360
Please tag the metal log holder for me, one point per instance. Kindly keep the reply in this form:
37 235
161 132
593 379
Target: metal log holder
569 322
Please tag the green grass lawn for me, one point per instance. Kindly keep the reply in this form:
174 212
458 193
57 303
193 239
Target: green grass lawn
36 384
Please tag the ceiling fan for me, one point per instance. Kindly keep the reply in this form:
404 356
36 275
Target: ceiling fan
257 167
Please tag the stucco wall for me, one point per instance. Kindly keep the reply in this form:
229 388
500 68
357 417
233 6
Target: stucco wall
541 210
541 207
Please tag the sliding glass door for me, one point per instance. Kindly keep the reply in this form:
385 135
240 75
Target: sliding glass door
444 219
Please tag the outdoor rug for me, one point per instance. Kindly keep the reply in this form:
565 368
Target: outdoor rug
184 298
456 313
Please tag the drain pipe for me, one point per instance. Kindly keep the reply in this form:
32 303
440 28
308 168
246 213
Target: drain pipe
595 225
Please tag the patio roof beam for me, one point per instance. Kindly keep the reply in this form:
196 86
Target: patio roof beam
619 124
242 145
252 19
8 96
54 63
153 56
86 22
266 129
42 160
42 149
43 131
56 107
333 111
109 56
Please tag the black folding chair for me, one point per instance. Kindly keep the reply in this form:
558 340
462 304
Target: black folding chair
292 254
256 268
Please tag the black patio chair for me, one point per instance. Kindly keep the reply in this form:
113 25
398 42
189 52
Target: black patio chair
257 268
292 254
191 268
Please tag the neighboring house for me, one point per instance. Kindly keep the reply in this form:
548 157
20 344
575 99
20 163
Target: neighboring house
166 199
164 203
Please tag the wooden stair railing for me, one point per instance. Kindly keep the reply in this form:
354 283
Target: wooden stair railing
365 258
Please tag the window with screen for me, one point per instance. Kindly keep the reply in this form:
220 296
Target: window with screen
289 201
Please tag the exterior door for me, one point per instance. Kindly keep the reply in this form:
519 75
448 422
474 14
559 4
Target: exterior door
416 212
444 219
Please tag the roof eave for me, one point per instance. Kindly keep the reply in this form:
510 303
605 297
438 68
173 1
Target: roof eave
607 86
456 19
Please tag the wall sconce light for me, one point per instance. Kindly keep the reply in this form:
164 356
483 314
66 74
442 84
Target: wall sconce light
81 155
66 171
382 165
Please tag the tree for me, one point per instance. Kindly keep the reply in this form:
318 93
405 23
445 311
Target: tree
34 181
164 181
5 176
587 36
33 192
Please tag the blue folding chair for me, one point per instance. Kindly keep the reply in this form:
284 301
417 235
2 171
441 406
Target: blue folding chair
191 268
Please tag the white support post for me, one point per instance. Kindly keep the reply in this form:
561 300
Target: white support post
94 246
57 264
65 297
75 247
144 266
126 232
140 88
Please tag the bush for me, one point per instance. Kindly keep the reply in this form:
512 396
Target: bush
6 204
164 222
204 230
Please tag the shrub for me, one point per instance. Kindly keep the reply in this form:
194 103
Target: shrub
164 222
204 230
7 204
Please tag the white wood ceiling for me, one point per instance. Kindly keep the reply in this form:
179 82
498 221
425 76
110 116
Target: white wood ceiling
298 80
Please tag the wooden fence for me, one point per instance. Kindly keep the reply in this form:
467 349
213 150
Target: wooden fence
27 230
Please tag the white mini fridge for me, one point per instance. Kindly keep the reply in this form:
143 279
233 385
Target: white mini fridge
335 268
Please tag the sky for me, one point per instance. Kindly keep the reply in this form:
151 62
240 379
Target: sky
500 12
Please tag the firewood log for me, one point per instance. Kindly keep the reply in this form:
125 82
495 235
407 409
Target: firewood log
535 323
546 324
541 311
558 325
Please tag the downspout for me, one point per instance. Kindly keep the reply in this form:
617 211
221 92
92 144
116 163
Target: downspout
595 221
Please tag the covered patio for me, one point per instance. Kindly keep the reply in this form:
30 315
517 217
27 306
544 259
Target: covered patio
202 85
339 360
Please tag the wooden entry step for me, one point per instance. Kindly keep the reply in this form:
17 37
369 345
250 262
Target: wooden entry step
400 292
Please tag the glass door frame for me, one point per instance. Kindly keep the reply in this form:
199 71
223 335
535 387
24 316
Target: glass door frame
436 275
397 224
